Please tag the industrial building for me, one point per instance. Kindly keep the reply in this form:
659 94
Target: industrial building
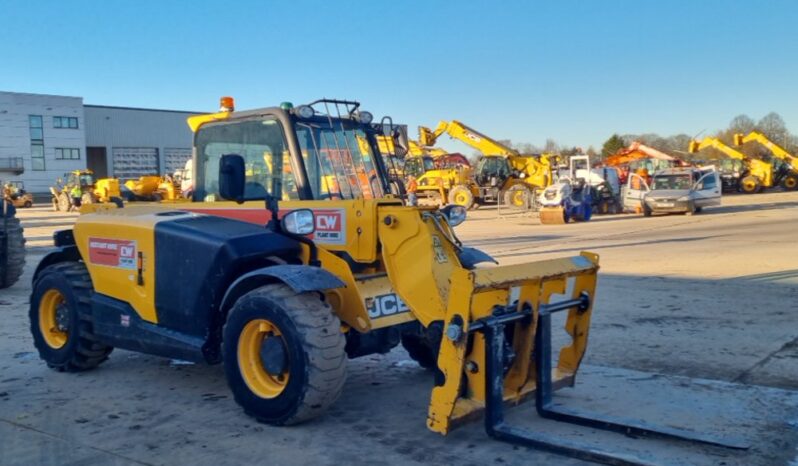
42 137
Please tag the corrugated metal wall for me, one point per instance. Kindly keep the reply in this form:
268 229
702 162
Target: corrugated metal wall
128 133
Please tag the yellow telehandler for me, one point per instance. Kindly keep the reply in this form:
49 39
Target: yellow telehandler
757 174
786 174
502 173
283 298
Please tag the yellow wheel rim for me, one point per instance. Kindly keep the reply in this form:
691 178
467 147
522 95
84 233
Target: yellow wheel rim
749 185
518 198
791 182
461 199
51 304
255 376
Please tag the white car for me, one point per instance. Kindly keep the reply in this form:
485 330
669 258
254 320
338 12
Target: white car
674 190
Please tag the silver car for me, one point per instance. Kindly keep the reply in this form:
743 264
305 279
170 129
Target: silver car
674 190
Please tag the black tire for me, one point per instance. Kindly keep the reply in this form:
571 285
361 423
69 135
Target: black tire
64 202
698 210
646 210
790 182
117 201
55 204
11 270
462 196
27 204
313 341
421 350
691 209
82 350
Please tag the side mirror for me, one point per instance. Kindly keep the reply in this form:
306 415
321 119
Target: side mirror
232 177
299 222
455 214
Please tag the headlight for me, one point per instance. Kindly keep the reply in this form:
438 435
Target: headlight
299 222
683 199
455 214
305 111
365 117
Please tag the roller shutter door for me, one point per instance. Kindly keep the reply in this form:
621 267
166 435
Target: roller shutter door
175 158
133 162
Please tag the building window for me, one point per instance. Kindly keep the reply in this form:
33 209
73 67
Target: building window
62 153
65 122
36 131
37 156
36 142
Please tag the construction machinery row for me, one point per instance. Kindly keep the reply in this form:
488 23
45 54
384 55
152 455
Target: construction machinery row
269 274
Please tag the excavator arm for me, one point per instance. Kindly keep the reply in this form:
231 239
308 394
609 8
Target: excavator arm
465 134
775 149
696 146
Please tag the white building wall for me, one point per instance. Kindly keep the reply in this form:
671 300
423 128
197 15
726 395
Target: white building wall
15 138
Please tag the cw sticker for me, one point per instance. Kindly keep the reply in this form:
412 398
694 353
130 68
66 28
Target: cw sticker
119 253
330 226
440 253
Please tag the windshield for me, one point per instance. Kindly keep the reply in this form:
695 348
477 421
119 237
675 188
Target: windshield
261 142
651 165
493 166
339 160
682 181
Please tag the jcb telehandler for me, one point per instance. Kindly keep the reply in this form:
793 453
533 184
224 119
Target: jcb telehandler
283 299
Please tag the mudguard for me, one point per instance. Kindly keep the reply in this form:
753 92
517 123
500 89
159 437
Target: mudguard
301 278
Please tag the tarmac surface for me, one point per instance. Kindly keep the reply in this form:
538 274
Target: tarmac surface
695 326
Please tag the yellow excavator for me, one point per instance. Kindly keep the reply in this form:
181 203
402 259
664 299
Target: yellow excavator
787 173
757 174
501 173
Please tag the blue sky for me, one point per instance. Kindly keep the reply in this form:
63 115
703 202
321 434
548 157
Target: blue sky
574 71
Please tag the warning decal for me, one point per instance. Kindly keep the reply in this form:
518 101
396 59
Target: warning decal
330 226
120 253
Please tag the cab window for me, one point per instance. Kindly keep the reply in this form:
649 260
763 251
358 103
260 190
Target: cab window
262 144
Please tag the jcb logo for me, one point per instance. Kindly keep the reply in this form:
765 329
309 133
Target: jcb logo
126 251
385 305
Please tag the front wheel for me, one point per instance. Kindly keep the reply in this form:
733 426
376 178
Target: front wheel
462 196
283 354
60 319
790 182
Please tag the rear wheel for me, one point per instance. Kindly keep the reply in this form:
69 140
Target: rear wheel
790 182
750 185
283 354
462 196
64 202
60 319
518 196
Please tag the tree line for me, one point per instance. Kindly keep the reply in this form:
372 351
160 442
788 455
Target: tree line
771 125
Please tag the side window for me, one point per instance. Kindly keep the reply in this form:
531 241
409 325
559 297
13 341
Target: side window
262 145
710 181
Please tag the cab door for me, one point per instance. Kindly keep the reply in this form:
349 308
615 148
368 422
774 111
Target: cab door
707 190
633 193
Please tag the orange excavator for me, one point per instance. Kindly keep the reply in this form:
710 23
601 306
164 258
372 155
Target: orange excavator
639 158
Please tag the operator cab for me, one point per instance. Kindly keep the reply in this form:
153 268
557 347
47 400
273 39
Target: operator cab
492 170
324 150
